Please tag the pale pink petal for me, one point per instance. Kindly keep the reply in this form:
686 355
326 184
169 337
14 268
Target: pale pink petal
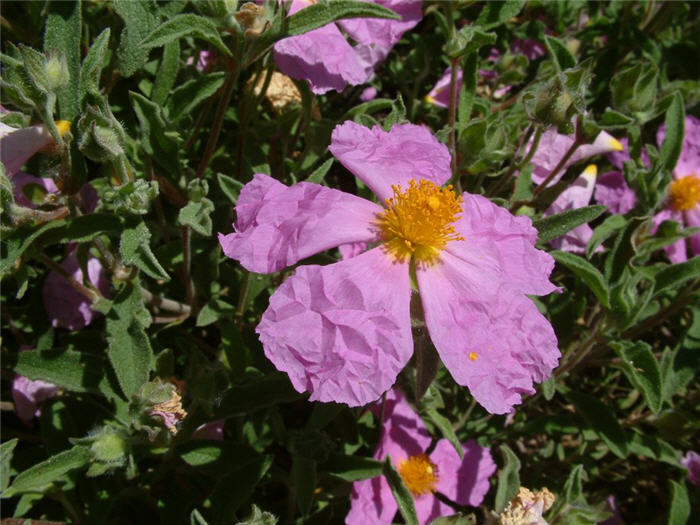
491 339
691 461
343 331
612 191
463 481
692 219
352 249
17 145
503 242
323 58
403 432
371 502
675 252
381 158
20 179
278 225
689 160
65 306
369 93
440 94
28 394
428 507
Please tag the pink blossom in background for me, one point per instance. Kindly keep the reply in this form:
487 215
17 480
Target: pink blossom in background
18 145
20 179
214 430
405 440
28 394
343 331
577 195
683 202
531 48
611 506
65 306
204 60
691 461
612 189
325 58
369 93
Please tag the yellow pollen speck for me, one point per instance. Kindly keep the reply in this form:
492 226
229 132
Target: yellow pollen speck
419 222
63 126
419 474
473 356
684 193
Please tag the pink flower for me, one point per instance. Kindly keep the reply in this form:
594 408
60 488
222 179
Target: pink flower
17 145
405 440
577 195
343 331
28 395
611 506
65 306
204 60
691 461
369 93
529 47
612 189
328 62
214 430
683 202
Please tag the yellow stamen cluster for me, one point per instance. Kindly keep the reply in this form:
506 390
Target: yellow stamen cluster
419 474
418 222
684 193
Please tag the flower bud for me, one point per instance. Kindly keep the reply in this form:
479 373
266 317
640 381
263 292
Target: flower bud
251 19
109 447
56 71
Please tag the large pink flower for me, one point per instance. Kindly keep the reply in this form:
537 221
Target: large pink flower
405 440
327 61
343 331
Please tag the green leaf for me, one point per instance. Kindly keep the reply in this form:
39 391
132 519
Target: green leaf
588 273
188 96
642 370
196 215
135 249
94 62
181 26
214 310
496 13
557 225
264 392
319 173
446 429
6 452
366 108
523 185
508 479
129 348
468 40
677 274
63 30
653 448
563 59
675 131
140 18
602 420
36 478
403 497
21 239
320 14
613 119
233 489
34 67
549 388
71 370
468 90
83 228
573 488
352 468
303 477
167 72
604 231
156 137
229 186
679 512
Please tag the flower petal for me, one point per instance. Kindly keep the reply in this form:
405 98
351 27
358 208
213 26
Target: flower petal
492 340
440 94
692 220
323 58
689 160
371 502
612 191
343 331
505 243
463 481
428 507
27 394
17 145
403 432
675 252
279 225
381 158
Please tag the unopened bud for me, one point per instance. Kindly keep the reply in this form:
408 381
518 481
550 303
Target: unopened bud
56 70
109 447
251 19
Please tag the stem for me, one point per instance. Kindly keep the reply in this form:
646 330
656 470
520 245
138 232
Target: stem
187 266
243 294
539 189
81 288
452 118
224 101
518 165
165 304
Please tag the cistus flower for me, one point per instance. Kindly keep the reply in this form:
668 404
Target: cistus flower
28 395
65 306
17 145
405 439
326 60
577 195
343 331
526 508
170 411
691 461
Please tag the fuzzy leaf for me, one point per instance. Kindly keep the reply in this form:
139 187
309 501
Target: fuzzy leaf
588 273
401 493
37 477
140 18
602 420
6 452
496 13
508 478
557 225
563 59
135 249
352 468
320 14
189 95
679 512
93 64
181 26
167 72
675 130
642 369
446 429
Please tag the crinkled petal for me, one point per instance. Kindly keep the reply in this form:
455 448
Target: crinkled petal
27 394
612 191
323 58
381 158
503 242
492 340
343 331
65 306
371 502
463 481
352 249
675 252
279 225
17 145
689 160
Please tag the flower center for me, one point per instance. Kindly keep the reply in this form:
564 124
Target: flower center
418 222
419 474
684 193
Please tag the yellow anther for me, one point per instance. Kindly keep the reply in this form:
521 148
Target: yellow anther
684 193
